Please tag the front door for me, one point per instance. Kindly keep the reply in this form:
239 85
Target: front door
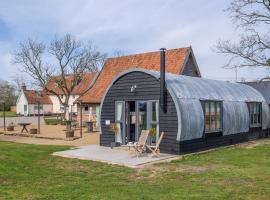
140 115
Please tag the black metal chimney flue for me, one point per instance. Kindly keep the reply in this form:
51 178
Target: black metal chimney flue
162 79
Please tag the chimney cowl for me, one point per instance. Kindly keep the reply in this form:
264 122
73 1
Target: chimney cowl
162 100
23 87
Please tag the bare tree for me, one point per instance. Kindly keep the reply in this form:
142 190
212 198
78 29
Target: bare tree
252 19
7 94
71 58
18 81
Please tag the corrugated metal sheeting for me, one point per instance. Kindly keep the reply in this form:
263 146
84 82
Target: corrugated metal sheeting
187 93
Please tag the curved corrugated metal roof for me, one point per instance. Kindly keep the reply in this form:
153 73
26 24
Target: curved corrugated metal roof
187 93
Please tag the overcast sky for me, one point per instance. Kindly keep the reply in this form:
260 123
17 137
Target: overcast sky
132 26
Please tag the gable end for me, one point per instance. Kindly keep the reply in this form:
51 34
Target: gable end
190 67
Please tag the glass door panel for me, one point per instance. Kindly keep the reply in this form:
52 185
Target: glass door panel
119 120
142 117
154 120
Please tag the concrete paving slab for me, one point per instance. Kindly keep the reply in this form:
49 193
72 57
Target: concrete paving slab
114 156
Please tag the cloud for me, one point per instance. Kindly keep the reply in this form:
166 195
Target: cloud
132 26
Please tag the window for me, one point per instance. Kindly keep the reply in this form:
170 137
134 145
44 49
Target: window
255 113
62 108
40 107
212 116
85 108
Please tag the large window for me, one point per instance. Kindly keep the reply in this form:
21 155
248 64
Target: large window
255 113
212 116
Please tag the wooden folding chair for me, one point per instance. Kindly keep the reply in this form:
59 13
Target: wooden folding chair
140 146
155 149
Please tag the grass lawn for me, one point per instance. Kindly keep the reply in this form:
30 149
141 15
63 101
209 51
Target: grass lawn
8 114
30 172
52 121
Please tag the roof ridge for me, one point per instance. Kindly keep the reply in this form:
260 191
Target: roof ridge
149 52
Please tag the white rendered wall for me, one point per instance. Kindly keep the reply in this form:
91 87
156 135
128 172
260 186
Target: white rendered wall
20 104
57 105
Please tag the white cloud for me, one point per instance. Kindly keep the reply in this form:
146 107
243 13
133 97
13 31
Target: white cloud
131 25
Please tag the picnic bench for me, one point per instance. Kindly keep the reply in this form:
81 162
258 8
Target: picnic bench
24 126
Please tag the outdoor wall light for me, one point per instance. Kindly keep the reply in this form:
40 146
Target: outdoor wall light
133 88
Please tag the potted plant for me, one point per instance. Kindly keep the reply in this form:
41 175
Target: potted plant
33 130
152 134
70 133
114 129
10 127
69 130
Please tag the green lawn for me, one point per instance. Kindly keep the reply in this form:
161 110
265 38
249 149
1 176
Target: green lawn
30 172
8 114
52 121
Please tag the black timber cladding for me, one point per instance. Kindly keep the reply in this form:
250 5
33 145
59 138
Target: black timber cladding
148 88
190 68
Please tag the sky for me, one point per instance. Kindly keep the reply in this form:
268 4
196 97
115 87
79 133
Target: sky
130 26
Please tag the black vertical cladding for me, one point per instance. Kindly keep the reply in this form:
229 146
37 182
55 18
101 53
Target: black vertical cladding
162 80
148 88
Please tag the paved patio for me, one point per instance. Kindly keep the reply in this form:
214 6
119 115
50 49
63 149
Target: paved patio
113 156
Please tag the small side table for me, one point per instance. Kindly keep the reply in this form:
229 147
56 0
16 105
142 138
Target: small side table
90 126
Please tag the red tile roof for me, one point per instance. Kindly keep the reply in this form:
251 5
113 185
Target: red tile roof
175 60
79 89
34 96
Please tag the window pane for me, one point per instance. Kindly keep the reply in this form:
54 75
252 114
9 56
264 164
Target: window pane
142 116
119 134
153 138
218 115
255 113
119 121
207 116
213 116
251 119
119 111
154 111
259 114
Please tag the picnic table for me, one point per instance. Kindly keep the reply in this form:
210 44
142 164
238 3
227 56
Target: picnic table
24 126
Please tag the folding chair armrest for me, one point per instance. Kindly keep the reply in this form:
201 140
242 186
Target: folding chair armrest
150 146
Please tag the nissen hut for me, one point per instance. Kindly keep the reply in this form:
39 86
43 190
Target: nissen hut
194 113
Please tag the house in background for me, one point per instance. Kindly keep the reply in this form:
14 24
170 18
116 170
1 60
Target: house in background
81 87
28 100
50 104
178 61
